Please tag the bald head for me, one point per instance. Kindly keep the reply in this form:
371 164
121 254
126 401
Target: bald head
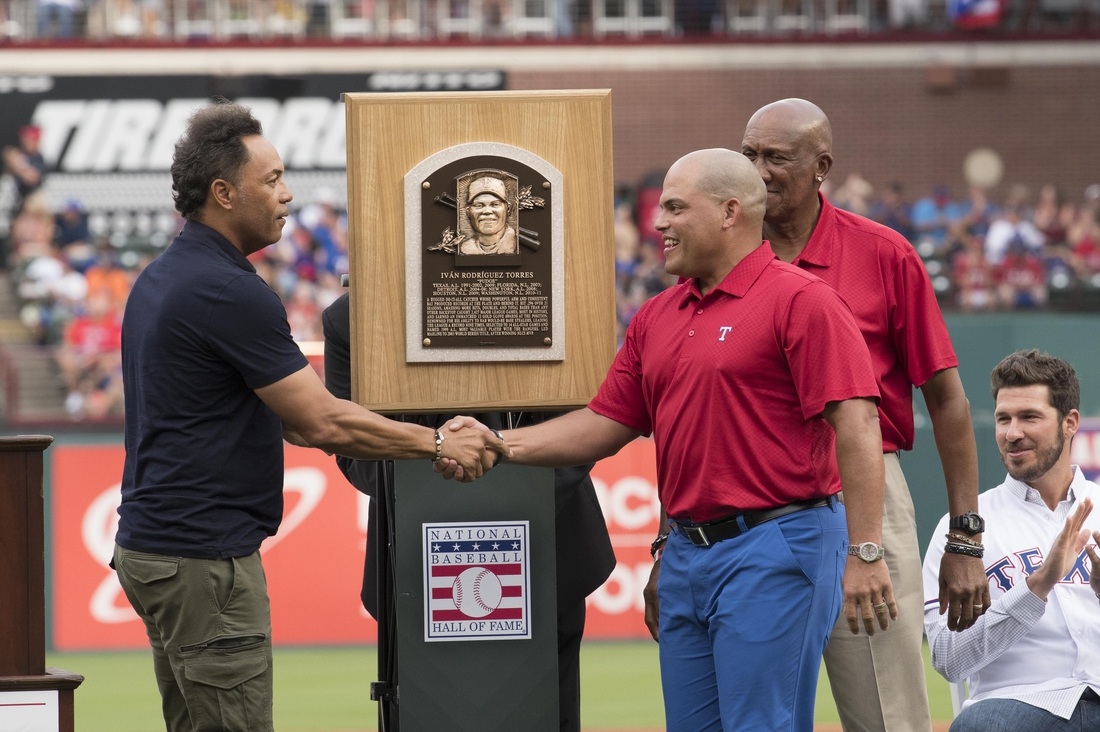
724 174
796 121
790 143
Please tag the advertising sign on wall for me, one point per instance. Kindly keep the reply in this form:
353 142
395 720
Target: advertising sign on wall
314 564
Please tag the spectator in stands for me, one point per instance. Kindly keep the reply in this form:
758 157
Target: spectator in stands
1083 236
627 242
1021 279
303 314
32 232
855 195
1011 228
1048 216
330 240
305 255
106 278
56 11
974 277
892 211
696 17
25 163
328 289
1018 197
908 13
71 225
91 361
978 212
317 23
933 214
51 292
1092 198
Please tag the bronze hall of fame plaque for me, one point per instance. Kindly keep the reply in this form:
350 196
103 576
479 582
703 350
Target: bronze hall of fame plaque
484 263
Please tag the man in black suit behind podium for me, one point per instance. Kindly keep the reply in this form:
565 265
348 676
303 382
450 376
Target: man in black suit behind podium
583 548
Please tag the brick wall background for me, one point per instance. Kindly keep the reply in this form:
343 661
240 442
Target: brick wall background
913 125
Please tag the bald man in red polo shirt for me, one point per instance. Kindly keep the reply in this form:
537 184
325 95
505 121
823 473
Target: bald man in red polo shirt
878 682
757 386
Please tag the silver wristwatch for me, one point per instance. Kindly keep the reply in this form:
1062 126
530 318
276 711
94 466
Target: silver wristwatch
868 551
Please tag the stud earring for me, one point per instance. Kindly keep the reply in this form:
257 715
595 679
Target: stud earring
820 178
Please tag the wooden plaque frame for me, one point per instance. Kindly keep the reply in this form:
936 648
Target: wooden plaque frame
390 134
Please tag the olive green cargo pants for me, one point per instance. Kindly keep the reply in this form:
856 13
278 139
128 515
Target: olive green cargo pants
209 624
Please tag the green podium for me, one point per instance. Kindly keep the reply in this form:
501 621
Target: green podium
476 601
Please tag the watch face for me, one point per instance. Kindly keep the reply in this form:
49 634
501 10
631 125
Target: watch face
972 523
868 552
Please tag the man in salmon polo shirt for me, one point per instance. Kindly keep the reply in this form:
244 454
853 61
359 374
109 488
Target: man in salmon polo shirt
878 682
757 387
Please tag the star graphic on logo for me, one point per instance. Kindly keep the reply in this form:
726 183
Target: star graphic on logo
476 547
515 545
435 547
496 546
457 547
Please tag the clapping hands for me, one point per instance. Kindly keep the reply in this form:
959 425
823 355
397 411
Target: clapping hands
470 449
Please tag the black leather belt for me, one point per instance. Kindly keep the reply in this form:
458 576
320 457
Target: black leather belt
727 528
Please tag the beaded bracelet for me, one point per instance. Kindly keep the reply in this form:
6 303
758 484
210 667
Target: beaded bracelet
970 551
438 446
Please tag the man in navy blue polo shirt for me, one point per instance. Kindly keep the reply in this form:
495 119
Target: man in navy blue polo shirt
213 381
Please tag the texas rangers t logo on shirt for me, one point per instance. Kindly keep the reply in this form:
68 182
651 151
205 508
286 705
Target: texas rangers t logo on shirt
476 583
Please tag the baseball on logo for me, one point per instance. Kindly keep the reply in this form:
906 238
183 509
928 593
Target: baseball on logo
476 592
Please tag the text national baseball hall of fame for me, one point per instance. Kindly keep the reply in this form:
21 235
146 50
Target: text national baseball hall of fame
476 581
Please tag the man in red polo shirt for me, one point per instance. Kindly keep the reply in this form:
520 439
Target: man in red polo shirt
758 389
878 682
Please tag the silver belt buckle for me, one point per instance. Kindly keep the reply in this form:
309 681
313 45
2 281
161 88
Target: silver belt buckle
696 535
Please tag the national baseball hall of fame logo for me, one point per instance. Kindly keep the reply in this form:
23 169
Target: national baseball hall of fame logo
476 581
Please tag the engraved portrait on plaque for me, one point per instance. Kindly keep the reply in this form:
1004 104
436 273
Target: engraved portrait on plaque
490 213
484 264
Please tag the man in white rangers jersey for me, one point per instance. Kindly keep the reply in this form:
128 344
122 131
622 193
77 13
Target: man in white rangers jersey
1033 659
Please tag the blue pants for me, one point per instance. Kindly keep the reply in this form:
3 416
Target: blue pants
1009 715
744 622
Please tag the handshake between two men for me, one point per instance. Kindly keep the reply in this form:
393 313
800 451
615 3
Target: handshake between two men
473 453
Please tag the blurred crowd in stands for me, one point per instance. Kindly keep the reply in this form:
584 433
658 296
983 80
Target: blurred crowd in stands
382 20
1019 250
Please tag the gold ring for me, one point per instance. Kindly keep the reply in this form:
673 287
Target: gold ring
979 608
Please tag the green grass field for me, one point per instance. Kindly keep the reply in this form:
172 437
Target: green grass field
325 690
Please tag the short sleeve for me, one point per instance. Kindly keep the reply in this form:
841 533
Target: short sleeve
621 396
920 335
248 328
826 353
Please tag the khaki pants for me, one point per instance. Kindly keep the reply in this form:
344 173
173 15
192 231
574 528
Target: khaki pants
209 624
878 681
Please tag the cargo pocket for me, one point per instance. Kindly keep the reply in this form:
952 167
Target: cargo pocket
228 684
147 570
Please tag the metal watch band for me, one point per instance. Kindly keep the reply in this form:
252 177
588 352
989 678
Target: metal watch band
500 456
868 551
657 544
